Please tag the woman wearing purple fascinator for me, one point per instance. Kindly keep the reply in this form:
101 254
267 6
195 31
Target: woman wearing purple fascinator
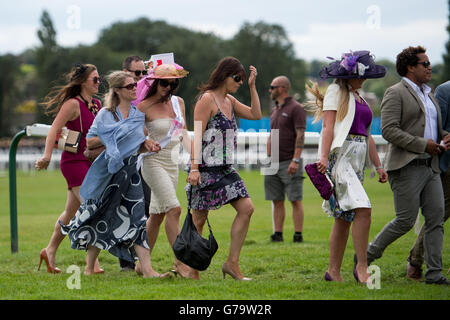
345 149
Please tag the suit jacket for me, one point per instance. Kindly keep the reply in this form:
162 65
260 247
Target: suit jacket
403 126
442 95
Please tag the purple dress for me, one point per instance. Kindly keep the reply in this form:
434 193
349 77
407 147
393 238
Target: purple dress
220 182
74 166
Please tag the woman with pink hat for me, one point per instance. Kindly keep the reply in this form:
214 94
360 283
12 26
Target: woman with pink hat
345 149
164 116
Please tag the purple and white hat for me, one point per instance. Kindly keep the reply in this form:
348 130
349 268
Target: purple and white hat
353 65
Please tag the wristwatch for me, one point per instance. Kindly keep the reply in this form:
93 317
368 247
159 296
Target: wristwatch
297 161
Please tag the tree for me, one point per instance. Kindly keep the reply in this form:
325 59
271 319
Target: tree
9 72
445 75
268 48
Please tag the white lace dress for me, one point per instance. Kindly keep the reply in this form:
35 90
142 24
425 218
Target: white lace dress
160 170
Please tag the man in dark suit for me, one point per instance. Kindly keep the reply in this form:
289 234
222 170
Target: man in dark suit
416 255
411 123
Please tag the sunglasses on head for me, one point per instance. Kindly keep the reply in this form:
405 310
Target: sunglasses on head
236 78
164 83
426 64
130 86
97 80
138 72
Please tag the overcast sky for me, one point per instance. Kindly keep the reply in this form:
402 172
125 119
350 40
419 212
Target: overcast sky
317 28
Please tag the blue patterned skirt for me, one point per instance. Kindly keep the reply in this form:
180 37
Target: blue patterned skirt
116 221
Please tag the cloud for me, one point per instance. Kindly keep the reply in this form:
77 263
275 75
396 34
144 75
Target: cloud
223 31
322 40
15 39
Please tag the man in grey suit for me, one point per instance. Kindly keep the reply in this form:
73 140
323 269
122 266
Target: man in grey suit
416 255
411 123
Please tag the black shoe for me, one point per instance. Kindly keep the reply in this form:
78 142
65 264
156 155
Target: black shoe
276 237
441 281
298 238
126 265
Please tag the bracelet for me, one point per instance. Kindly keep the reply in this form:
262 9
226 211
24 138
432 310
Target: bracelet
45 160
195 170
380 167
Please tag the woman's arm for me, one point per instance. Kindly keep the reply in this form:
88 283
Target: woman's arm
329 118
69 111
243 111
375 159
202 114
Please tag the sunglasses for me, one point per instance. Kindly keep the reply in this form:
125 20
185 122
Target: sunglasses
425 64
236 78
138 72
164 83
130 86
274 87
96 80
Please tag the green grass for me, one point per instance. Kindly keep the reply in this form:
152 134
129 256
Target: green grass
280 270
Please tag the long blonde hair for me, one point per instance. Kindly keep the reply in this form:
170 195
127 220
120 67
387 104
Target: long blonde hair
58 95
317 105
115 79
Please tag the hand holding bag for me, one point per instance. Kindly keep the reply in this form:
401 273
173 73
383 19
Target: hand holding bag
68 140
191 248
321 181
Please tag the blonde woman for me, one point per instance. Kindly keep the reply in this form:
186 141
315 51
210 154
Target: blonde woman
344 150
112 214
75 108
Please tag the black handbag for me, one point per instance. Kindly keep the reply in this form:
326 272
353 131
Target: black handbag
191 248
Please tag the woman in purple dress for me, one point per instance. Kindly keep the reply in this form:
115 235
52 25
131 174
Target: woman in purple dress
212 180
346 148
75 108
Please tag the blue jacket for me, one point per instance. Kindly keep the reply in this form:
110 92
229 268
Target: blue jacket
122 139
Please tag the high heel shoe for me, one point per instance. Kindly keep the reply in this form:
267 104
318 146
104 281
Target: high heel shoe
327 277
355 274
43 256
227 270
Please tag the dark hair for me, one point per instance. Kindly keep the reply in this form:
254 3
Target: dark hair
408 57
128 60
154 88
60 94
226 67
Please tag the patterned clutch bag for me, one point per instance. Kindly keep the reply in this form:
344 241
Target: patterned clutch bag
321 181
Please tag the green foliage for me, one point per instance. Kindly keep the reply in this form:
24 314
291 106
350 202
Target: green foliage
445 74
268 48
9 71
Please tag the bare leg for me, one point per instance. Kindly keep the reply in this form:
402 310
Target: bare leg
152 226
144 265
172 225
72 205
360 234
297 215
239 229
338 242
279 213
92 255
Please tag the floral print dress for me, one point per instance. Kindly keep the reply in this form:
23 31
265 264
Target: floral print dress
220 182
